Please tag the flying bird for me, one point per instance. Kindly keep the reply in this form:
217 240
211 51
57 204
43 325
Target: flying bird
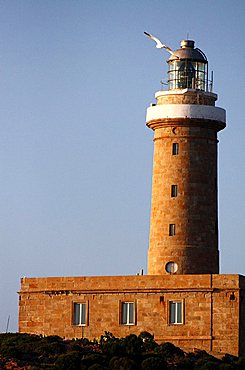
159 44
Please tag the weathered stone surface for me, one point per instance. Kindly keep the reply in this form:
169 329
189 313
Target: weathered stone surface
213 305
212 308
188 97
194 247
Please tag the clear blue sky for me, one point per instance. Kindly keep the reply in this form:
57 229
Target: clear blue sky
76 78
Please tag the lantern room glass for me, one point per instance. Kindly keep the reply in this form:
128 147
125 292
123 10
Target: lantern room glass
187 74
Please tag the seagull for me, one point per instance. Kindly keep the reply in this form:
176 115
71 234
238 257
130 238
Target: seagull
159 44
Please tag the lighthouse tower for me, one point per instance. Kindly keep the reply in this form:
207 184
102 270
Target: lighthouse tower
184 215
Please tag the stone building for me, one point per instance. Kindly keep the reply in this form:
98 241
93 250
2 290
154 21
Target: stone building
183 299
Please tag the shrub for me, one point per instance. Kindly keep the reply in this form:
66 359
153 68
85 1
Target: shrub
206 364
148 341
12 345
15 339
201 358
153 362
169 351
97 367
69 361
52 339
241 363
130 353
107 337
185 364
52 348
229 359
227 367
10 351
113 348
122 363
132 345
93 358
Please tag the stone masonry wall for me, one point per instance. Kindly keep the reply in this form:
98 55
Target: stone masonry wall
189 97
211 315
194 247
242 315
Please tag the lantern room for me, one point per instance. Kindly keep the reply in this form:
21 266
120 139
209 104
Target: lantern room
188 68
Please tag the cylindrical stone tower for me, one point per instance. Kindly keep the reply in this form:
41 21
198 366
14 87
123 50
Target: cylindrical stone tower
184 218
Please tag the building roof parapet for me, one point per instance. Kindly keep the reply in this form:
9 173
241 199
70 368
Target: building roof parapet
134 283
134 290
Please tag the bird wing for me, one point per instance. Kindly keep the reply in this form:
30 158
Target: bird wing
169 50
158 42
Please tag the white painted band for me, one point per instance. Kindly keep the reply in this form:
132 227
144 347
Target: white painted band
185 111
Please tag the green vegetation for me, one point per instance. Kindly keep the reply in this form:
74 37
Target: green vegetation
33 352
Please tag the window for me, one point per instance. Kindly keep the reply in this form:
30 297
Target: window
127 313
171 267
187 74
175 312
175 149
172 230
174 191
80 314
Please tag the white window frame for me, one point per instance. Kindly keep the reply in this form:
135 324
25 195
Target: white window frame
178 307
82 316
129 320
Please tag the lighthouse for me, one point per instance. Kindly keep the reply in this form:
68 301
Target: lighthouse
184 211
182 299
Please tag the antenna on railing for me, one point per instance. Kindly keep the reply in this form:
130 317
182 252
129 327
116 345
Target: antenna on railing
7 327
163 83
212 81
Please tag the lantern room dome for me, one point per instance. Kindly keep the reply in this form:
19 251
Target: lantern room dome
187 51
